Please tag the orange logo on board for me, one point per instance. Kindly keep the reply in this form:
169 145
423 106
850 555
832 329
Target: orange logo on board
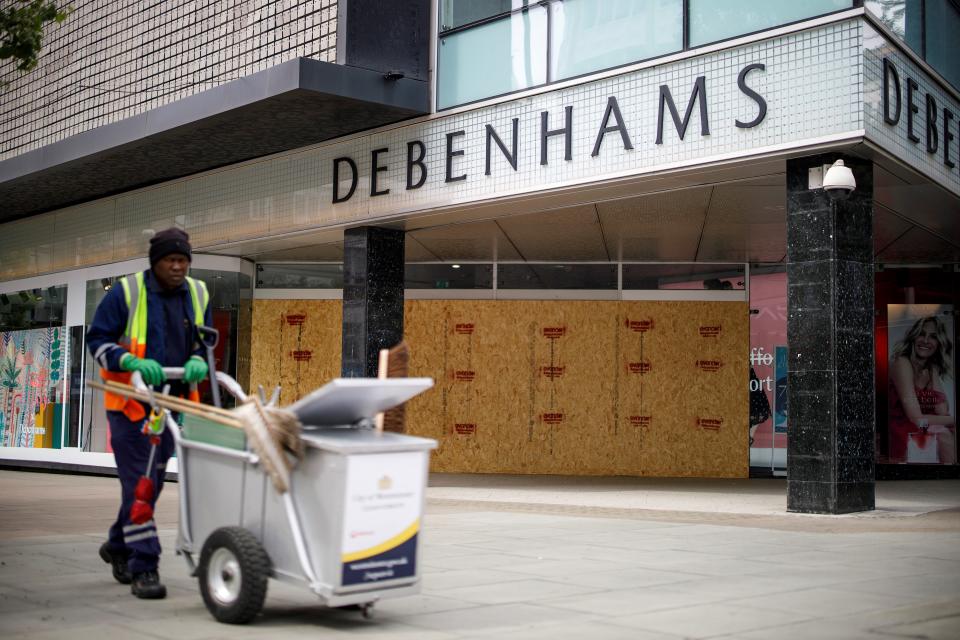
551 418
641 367
464 328
302 356
711 424
710 331
552 333
464 376
711 366
641 421
640 326
553 372
296 319
465 428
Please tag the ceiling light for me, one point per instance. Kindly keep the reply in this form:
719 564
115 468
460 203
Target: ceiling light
455 266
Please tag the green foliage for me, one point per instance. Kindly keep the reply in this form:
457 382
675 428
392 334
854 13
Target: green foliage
21 30
9 374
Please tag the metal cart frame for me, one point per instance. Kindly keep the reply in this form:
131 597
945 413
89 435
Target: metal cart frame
226 497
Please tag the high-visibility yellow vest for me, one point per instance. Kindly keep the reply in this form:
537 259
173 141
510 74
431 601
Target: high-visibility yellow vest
134 337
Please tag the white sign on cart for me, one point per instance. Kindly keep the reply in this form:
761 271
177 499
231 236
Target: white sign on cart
382 517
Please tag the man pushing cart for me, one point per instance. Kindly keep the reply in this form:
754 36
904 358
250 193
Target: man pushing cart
315 494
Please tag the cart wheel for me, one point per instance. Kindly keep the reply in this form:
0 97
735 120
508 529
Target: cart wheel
366 610
233 573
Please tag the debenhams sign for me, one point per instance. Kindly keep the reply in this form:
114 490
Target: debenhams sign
501 145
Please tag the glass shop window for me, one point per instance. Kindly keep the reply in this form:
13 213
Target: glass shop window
718 277
712 20
33 363
225 298
916 365
903 17
769 411
493 58
448 276
587 36
942 21
300 276
557 276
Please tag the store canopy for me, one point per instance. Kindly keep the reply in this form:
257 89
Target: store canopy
291 105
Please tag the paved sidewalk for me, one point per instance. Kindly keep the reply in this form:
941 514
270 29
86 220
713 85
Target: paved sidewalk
533 558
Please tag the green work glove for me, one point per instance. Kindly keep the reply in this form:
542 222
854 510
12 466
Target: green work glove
195 369
150 370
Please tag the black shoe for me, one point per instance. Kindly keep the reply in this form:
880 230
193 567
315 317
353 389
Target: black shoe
119 561
147 585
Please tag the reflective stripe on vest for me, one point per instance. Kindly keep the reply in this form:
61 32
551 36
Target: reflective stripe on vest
134 337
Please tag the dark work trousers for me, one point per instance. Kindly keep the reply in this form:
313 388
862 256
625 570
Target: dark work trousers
132 451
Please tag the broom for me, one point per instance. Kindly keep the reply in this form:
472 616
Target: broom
393 363
273 433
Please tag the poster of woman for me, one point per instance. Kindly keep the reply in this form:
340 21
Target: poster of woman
922 398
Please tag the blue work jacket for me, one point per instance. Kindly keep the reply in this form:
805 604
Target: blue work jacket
171 331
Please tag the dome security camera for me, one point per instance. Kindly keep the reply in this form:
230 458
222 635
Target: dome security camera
838 181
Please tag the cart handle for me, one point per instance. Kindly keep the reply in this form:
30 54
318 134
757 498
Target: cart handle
176 373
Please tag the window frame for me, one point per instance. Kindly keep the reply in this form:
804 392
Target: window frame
685 45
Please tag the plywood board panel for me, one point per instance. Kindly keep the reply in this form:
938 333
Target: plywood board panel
296 344
566 387
592 388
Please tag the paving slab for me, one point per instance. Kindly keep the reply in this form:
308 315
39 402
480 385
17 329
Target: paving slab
530 559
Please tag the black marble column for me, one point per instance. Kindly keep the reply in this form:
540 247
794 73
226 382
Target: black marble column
830 450
372 297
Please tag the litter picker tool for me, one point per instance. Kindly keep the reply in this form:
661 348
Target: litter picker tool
143 494
209 337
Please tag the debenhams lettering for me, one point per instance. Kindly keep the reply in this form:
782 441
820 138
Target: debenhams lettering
902 99
346 174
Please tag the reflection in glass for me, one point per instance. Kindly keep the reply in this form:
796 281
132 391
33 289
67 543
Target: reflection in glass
300 276
33 309
943 34
902 17
456 13
448 276
506 55
716 277
557 276
712 20
588 36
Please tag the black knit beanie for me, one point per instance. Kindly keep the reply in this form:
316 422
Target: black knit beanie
168 241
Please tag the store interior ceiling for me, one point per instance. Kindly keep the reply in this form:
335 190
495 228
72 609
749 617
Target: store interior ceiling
732 213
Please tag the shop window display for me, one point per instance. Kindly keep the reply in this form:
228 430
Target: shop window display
916 366
768 366
33 347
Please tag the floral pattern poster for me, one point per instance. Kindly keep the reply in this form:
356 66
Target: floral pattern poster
31 386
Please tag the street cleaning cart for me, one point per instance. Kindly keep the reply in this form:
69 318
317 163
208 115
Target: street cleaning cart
347 524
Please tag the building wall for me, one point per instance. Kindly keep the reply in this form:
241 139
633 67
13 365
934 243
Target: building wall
111 60
294 191
934 161
572 387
